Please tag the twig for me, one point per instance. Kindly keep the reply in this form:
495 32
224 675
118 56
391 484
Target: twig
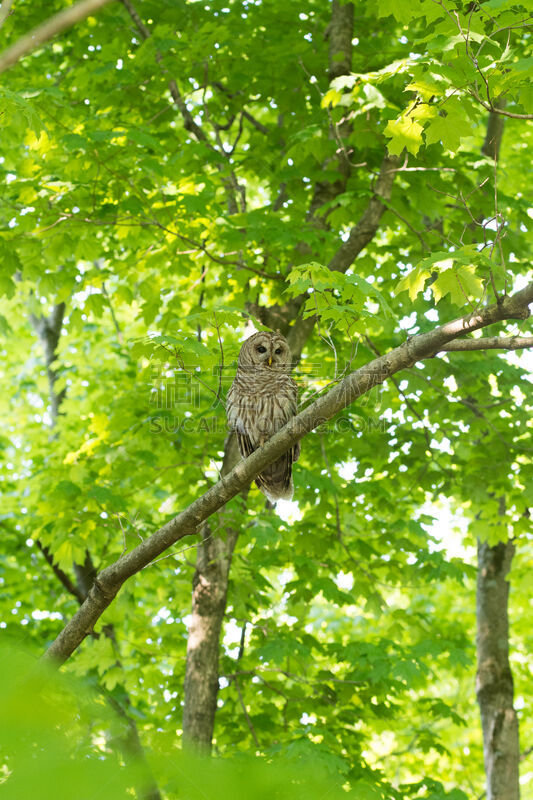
489 106
396 213
402 394
260 127
245 712
113 317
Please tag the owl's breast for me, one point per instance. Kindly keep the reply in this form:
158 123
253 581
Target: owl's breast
259 406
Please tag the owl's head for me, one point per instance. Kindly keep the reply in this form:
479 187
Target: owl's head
266 349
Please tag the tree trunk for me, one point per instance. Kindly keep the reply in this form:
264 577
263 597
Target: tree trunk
494 680
210 588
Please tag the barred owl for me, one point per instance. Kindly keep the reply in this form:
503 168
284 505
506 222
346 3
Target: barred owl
261 400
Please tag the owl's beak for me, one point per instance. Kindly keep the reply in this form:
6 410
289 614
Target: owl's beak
270 361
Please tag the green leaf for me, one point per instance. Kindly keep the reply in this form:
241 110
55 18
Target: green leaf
404 133
413 282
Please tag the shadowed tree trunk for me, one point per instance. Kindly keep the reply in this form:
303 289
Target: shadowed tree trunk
209 591
494 681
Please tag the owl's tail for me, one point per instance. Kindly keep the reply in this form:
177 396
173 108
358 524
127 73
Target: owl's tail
276 480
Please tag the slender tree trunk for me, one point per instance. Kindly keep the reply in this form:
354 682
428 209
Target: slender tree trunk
209 592
494 680
48 330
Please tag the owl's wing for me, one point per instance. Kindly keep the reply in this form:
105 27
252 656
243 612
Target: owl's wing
293 410
245 444
276 480
236 411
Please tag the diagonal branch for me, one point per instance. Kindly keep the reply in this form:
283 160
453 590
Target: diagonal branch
56 24
186 523
5 10
363 232
60 574
188 120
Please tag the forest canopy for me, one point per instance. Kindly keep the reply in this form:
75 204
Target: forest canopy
355 176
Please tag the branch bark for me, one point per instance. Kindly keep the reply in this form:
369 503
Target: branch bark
48 330
490 343
43 33
186 523
494 680
340 35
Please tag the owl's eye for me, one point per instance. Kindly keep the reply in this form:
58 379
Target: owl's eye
278 351
261 349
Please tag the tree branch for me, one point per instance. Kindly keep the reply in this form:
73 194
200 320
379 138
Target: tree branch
246 714
62 576
186 523
496 110
5 10
490 343
363 232
56 24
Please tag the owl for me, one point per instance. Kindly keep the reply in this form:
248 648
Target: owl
261 400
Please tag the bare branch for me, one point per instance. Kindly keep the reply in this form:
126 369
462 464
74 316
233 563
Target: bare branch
245 712
490 343
56 24
255 122
233 188
489 106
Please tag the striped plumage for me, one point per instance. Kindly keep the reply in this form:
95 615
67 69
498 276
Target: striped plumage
261 400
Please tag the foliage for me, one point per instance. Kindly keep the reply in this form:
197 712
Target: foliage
165 234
